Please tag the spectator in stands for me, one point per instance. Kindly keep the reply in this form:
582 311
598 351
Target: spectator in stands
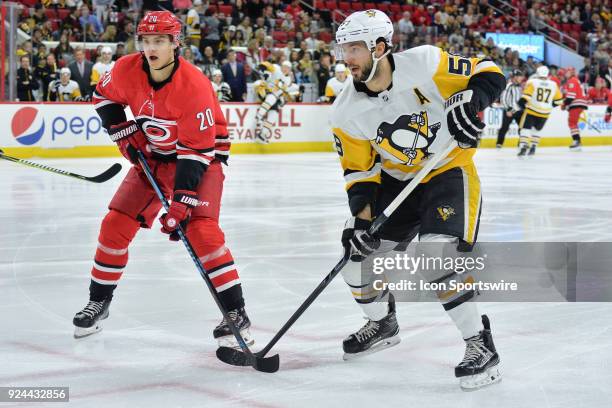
323 73
26 84
102 8
270 18
599 93
287 24
530 66
211 28
110 34
233 72
253 58
266 50
87 18
71 21
294 9
245 27
90 34
187 54
406 30
254 9
127 33
209 62
239 39
40 58
64 51
80 72
194 29
120 51
47 73
39 16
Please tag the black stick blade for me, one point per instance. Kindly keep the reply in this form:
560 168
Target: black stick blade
107 175
236 357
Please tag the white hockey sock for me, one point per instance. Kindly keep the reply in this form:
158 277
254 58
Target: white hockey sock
466 319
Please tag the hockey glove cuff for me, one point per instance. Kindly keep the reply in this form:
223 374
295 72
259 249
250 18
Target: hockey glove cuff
462 119
355 237
129 139
178 213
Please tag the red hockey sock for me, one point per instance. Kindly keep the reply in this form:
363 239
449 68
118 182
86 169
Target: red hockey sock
116 233
209 243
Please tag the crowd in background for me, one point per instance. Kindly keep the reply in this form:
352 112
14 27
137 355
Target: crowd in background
235 36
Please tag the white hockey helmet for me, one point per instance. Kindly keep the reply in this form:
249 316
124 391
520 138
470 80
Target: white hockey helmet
65 71
340 68
542 71
216 72
367 26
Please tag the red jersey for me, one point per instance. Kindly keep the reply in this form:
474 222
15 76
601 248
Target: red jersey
599 95
180 117
573 90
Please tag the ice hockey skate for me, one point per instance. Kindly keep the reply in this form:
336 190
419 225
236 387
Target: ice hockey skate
88 321
576 146
531 151
223 334
522 152
480 366
373 337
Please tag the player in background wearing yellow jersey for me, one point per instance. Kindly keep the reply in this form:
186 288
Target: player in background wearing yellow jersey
540 96
401 109
64 89
336 84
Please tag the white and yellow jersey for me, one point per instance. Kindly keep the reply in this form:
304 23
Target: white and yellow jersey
193 24
63 93
276 82
334 86
100 69
399 129
541 96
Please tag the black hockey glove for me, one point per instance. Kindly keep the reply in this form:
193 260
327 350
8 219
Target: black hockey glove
462 119
355 237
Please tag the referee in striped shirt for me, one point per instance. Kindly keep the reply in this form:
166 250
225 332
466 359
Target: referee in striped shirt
509 100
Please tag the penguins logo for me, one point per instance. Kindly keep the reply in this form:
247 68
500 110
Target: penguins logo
408 138
445 212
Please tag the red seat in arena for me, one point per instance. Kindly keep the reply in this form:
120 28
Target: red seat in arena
62 13
325 37
331 4
395 8
345 6
320 5
370 6
357 6
225 9
279 36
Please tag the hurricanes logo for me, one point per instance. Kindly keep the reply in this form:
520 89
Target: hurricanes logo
408 138
445 212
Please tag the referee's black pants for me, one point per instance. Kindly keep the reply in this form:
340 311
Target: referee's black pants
506 122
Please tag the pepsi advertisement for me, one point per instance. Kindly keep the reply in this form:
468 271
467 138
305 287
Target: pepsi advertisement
526 44
57 125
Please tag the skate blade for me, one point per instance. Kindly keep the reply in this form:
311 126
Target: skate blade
575 149
382 345
80 332
492 376
230 341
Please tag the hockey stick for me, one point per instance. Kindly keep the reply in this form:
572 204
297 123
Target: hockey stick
266 365
235 357
100 178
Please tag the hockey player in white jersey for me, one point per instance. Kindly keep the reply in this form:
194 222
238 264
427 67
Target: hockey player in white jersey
64 89
336 84
540 96
400 109
221 88
274 89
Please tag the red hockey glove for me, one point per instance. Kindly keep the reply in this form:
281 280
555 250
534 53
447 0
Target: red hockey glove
178 213
129 138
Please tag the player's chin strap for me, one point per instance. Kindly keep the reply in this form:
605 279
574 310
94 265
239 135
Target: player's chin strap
375 64
168 64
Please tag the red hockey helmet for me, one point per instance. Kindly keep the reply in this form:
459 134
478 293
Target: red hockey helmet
561 73
160 23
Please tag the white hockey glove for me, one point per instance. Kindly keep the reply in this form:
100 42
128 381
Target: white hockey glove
355 237
462 119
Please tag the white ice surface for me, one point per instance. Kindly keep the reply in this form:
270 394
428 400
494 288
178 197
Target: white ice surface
283 216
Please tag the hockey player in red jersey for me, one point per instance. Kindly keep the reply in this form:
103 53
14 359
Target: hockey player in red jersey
599 93
179 126
575 102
